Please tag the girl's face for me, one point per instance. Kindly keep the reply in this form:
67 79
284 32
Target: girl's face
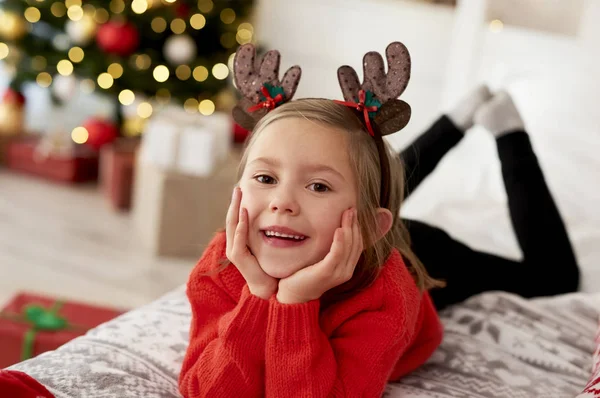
296 185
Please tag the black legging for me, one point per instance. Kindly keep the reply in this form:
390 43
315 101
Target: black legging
548 267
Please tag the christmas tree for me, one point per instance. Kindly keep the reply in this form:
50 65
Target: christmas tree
161 50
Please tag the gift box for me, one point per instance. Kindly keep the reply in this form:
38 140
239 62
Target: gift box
79 165
192 144
31 324
176 214
117 161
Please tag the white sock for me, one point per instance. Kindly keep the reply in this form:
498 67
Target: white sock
462 113
500 115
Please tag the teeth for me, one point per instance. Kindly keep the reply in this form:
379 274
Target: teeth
279 234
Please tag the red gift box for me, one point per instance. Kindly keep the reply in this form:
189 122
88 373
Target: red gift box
15 325
117 163
22 155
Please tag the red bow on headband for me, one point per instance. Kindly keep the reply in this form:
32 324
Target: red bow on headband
269 102
362 107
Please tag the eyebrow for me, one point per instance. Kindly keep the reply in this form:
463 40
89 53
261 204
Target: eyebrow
312 167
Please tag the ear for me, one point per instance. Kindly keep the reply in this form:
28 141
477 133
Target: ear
385 219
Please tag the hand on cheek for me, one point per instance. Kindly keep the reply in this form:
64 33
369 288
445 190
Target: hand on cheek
336 268
259 283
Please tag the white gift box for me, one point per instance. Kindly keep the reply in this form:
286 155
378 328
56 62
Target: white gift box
175 140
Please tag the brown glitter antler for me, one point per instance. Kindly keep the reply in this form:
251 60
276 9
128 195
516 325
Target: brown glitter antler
258 82
380 90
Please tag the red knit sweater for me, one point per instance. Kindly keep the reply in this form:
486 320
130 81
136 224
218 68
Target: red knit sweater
244 346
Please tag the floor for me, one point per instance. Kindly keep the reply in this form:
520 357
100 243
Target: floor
67 242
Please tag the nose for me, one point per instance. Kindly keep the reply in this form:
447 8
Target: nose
283 201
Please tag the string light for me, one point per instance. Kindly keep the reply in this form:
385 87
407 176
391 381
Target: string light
159 24
220 71
139 6
115 70
44 79
207 107
58 9
4 51
76 54
75 13
243 36
230 61
32 14
178 26
183 72
64 67
144 110
205 6
197 21
117 6
143 61
80 135
161 73
191 105
105 80
126 97
101 16
200 73
227 16
496 26
70 3
247 26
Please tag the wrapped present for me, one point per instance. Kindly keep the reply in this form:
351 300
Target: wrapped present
117 161
32 324
190 144
176 214
46 157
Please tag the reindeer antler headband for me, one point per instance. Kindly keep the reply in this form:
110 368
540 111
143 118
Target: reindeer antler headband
375 99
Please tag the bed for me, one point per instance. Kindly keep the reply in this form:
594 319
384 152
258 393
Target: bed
495 345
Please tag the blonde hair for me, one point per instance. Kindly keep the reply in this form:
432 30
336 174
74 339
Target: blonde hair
364 158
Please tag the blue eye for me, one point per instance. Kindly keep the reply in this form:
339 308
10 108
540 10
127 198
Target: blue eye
265 179
318 187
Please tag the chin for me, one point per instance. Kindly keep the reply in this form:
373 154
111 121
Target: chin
278 271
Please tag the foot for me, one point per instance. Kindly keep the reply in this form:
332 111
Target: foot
462 113
500 115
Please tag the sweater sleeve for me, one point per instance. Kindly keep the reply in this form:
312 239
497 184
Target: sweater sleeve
356 361
225 357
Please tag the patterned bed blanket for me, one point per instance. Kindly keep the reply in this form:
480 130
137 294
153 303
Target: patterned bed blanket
496 345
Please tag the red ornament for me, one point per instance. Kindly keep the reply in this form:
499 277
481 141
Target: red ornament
100 132
239 133
13 97
121 38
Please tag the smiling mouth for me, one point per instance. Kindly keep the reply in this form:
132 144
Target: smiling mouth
279 235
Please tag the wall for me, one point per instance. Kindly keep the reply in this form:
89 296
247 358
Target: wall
322 35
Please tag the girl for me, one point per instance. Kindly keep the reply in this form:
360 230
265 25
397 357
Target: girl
321 295
548 266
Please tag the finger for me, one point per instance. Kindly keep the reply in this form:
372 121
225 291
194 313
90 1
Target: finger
347 236
232 217
240 240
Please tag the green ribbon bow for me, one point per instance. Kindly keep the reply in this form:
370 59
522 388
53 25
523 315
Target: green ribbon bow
40 319
370 101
